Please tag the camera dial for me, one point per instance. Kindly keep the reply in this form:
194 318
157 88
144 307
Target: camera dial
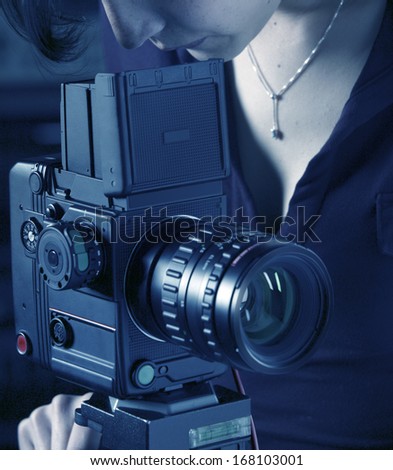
29 234
68 257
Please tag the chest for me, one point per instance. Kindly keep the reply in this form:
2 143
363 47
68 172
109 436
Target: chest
307 114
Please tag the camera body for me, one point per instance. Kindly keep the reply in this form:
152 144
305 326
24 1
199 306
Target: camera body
137 147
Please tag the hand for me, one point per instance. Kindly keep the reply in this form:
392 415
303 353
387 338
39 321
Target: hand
52 427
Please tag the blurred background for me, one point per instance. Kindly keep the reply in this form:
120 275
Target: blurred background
29 126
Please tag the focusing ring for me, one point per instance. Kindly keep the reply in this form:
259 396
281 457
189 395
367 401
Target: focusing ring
179 291
209 335
170 294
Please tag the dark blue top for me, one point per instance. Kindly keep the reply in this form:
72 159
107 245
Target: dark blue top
343 397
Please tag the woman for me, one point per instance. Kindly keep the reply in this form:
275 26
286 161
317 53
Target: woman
317 76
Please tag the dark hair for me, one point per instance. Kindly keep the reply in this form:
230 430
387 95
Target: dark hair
57 35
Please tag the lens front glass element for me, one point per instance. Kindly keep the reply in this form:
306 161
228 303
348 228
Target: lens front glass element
268 306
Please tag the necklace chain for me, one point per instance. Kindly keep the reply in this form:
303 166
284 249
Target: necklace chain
276 96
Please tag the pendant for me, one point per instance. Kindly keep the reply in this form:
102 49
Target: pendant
276 132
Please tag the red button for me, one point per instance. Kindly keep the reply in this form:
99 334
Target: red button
22 344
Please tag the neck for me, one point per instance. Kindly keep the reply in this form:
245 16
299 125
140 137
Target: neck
297 26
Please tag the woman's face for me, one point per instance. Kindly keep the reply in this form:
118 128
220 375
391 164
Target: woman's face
206 28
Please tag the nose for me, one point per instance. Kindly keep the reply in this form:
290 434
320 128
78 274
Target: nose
132 22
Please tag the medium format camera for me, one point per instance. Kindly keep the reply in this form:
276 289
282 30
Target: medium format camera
127 277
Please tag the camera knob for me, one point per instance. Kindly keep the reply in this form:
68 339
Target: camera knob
54 211
36 182
68 258
61 332
30 231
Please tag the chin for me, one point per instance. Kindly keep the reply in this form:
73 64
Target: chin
207 55
218 47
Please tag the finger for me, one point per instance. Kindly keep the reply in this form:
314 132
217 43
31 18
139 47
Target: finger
83 438
62 413
25 441
35 431
63 418
50 426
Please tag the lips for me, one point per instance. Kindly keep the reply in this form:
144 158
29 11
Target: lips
191 45
194 44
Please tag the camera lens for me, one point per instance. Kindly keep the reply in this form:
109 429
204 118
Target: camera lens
277 300
268 306
244 299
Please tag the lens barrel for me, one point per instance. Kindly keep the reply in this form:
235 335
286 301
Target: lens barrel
243 298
